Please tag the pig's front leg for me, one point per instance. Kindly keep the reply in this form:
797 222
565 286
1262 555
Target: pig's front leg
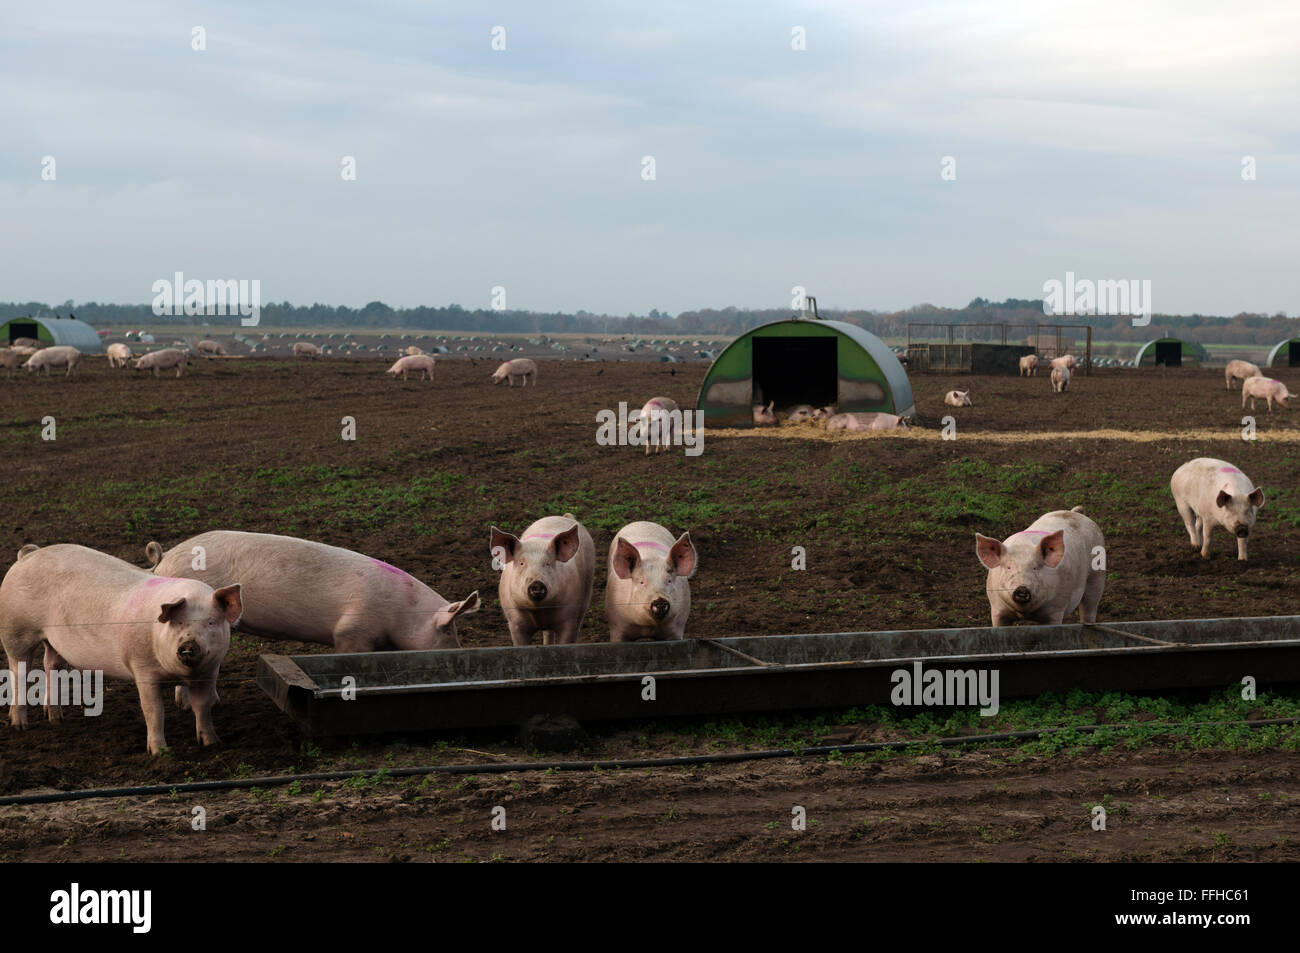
521 630
202 696
1206 530
1241 547
151 703
566 633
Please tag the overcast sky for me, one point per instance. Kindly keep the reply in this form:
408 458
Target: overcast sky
1103 138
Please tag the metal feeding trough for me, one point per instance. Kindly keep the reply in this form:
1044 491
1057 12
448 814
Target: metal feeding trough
416 691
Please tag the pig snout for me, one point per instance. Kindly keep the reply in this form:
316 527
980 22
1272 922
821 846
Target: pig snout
659 609
1022 596
190 653
1242 530
537 591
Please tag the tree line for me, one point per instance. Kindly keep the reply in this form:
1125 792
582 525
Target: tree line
1243 328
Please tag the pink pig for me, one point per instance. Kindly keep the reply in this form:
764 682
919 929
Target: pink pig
48 357
520 367
310 592
547 576
96 612
1045 572
1265 388
860 423
163 360
647 595
1239 371
422 363
658 419
764 416
1060 378
1210 493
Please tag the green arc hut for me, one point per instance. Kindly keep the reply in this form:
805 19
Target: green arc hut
1171 352
803 361
1284 354
52 331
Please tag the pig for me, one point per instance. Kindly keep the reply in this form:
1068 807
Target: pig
1029 365
1265 388
764 416
97 612
211 349
860 423
1210 493
23 349
48 357
1045 572
10 360
413 351
309 592
420 363
1239 370
957 398
32 343
163 360
547 577
1060 379
647 595
306 349
520 367
807 414
118 355
656 421
1065 360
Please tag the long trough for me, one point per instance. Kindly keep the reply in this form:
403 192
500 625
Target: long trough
386 692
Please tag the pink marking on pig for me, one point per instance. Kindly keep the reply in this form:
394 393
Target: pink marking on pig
652 545
1031 532
386 567
1228 470
540 536
142 593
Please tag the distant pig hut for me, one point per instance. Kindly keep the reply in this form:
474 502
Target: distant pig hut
803 361
51 332
1171 352
1284 354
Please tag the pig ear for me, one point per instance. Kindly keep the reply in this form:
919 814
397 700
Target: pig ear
626 558
466 606
230 602
566 544
989 550
682 556
169 609
1257 497
1053 549
503 541
1223 499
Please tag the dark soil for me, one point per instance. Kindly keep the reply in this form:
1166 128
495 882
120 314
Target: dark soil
887 523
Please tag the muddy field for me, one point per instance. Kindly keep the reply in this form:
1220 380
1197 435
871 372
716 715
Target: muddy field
887 522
